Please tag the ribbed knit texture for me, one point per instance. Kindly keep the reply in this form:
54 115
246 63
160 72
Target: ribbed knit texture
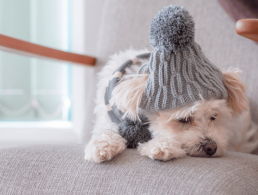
178 79
180 73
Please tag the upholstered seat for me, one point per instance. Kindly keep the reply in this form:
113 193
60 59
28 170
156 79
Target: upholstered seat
62 170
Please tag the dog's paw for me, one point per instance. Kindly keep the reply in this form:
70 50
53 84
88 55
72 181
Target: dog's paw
161 151
104 147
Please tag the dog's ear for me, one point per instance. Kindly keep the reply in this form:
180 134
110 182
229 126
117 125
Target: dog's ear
237 100
128 94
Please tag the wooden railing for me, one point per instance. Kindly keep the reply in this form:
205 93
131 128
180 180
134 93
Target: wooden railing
18 46
248 28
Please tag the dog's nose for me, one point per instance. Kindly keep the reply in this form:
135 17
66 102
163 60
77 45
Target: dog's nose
210 147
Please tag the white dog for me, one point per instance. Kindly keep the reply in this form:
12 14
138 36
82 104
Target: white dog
204 128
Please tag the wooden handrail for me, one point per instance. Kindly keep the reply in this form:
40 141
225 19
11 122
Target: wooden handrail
18 46
248 28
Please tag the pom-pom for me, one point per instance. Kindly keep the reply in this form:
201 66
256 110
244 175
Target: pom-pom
172 29
135 132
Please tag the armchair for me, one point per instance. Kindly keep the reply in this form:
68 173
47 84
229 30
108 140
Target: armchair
62 169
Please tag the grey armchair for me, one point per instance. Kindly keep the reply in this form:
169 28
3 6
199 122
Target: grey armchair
62 169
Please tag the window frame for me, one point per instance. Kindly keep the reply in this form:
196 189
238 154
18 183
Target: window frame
13 134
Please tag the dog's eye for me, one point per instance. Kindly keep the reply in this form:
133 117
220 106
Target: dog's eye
185 120
214 117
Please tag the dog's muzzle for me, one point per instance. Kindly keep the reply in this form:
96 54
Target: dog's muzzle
209 147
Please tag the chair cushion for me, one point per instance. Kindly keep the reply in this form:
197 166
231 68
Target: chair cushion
62 170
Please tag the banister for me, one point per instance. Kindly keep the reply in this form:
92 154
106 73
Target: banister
18 46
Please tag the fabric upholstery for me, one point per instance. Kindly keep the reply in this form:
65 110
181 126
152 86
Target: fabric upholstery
61 170
125 24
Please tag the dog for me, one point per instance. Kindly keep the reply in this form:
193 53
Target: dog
205 128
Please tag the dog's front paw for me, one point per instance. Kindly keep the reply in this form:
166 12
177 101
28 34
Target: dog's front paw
104 147
161 150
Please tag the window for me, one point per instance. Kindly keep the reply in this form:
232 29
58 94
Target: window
33 89
62 24
35 94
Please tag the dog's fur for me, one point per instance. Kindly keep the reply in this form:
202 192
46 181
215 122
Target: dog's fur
227 122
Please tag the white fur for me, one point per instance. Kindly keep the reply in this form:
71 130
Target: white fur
171 139
96 151
128 95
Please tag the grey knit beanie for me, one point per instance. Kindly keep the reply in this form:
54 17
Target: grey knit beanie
180 73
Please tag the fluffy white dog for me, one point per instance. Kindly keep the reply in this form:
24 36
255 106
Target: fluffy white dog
205 128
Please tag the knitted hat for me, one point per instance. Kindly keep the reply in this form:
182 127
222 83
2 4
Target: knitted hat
179 72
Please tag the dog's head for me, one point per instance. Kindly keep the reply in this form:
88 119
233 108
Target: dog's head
202 127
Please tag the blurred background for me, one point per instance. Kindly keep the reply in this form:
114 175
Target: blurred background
51 102
36 95
34 89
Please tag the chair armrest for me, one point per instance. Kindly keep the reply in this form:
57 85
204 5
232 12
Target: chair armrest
248 28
